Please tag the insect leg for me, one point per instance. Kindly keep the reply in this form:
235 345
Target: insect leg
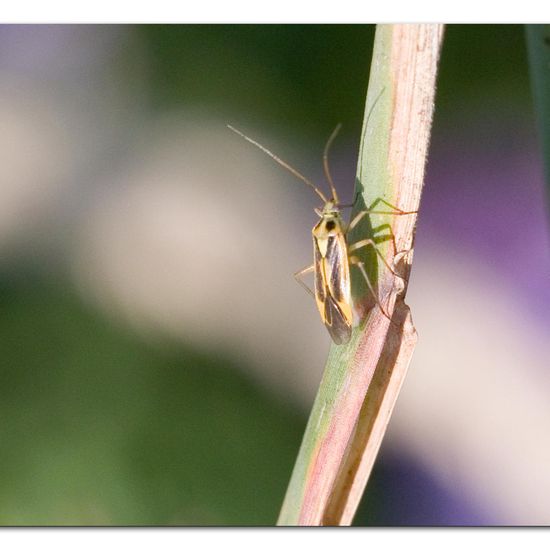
358 217
357 195
398 211
370 242
383 238
354 260
298 275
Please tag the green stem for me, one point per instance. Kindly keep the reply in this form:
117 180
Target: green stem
362 379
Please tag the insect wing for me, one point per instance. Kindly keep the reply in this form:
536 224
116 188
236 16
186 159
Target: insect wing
337 325
332 288
337 274
320 280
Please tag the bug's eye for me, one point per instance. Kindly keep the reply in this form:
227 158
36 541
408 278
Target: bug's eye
330 225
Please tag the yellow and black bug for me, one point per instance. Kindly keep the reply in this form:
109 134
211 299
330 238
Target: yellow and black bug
331 252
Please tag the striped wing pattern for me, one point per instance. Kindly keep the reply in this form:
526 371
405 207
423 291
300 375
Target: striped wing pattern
332 288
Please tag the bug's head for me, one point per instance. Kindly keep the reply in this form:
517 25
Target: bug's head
330 223
329 209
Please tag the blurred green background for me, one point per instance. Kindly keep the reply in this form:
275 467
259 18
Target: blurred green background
103 425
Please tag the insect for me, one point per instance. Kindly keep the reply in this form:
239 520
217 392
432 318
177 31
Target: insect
332 254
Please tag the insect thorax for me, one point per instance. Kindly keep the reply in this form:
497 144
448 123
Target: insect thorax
330 225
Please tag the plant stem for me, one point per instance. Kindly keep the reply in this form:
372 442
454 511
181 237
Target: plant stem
362 379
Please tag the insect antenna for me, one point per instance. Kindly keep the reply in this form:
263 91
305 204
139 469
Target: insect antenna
367 125
325 162
281 162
